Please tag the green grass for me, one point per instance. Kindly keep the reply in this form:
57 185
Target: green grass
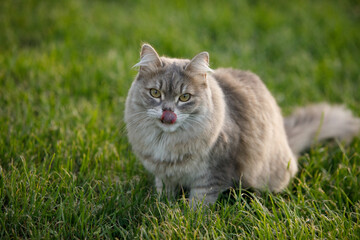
66 168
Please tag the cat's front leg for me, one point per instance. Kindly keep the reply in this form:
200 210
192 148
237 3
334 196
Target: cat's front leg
159 186
170 189
205 194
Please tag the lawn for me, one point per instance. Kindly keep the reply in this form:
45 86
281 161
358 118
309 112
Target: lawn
66 168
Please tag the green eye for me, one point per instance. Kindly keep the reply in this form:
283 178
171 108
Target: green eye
185 97
155 93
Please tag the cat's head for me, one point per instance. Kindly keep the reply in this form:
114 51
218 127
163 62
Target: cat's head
173 94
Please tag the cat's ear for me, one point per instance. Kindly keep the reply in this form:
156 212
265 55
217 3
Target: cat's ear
149 59
199 64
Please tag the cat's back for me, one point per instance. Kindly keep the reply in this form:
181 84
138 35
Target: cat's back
244 91
231 80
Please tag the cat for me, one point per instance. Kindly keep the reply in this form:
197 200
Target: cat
205 129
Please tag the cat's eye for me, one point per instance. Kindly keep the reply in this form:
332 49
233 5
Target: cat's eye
155 93
185 97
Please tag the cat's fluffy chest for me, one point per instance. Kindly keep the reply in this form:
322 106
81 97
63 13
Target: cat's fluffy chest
173 156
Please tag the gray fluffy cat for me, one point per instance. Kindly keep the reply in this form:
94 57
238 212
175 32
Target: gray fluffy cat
204 130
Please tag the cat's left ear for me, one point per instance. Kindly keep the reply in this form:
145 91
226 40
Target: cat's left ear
199 64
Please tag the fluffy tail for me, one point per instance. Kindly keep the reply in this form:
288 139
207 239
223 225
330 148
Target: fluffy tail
319 122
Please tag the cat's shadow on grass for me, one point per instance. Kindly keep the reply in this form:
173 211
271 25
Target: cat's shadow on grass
228 197
231 196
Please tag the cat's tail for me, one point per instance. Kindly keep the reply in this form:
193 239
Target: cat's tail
318 122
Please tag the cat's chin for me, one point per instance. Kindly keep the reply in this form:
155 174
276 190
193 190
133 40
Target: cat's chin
169 128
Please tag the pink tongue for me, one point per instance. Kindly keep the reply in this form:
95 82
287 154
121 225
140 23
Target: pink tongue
168 117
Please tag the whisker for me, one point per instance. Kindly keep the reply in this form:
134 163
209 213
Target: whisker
192 123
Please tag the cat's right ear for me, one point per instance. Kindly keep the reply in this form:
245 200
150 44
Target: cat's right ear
149 59
199 64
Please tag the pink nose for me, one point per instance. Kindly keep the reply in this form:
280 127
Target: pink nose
168 117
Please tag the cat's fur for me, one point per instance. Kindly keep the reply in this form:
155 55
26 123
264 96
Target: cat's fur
230 130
